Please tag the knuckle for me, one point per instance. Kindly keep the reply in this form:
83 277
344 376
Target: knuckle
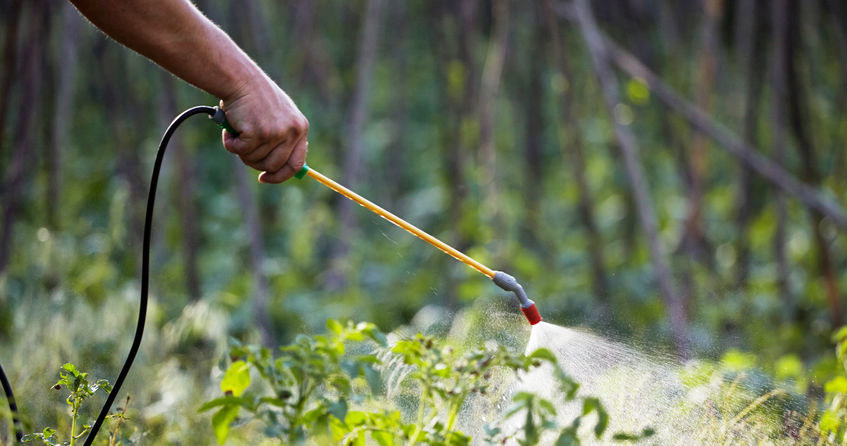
264 133
247 129
299 127
296 164
303 124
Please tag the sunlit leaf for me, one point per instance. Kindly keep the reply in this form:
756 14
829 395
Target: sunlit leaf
236 379
221 422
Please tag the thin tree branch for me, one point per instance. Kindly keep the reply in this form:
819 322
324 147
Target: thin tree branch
632 163
748 154
702 122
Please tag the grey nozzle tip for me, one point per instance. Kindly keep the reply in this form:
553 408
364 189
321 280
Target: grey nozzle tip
509 283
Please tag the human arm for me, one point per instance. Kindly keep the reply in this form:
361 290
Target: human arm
173 33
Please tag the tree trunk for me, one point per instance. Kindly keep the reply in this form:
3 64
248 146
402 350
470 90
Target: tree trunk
492 72
533 129
459 143
797 111
750 42
635 174
694 240
242 21
122 104
359 112
456 75
837 11
575 155
256 249
317 69
185 188
12 10
396 159
24 142
64 94
778 128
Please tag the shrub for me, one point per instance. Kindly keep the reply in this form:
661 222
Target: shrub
330 387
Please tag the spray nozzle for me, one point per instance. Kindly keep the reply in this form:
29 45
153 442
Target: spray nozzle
509 283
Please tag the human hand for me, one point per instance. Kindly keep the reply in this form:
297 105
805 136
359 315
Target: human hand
271 129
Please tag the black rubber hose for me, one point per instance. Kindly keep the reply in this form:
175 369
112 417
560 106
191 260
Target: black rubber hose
145 265
10 397
145 282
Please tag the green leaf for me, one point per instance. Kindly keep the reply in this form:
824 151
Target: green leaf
593 404
736 360
836 385
221 421
568 437
830 422
237 378
840 335
383 438
101 384
455 438
71 368
377 336
373 377
647 432
547 406
228 400
789 366
334 326
338 409
637 91
543 353
355 418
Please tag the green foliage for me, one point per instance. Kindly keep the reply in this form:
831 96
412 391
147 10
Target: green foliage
79 269
833 421
80 390
314 390
309 382
540 415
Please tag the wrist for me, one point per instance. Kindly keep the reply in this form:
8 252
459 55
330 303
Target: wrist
243 85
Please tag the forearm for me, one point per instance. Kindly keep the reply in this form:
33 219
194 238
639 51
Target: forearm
175 35
270 131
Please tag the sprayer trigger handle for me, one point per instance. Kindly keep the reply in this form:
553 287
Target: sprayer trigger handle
220 119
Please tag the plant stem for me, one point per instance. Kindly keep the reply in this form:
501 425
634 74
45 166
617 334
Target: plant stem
74 416
454 412
305 392
413 439
118 426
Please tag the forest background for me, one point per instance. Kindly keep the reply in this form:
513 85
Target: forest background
676 180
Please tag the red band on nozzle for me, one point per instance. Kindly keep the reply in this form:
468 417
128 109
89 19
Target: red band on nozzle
531 313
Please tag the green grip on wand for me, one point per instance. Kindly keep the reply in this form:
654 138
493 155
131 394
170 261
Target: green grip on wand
220 119
302 173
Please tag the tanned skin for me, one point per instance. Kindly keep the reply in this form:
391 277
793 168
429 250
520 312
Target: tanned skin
173 33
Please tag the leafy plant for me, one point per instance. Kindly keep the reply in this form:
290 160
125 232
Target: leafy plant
309 383
317 390
445 379
540 414
81 389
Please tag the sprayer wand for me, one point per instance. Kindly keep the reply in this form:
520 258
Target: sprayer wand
500 278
